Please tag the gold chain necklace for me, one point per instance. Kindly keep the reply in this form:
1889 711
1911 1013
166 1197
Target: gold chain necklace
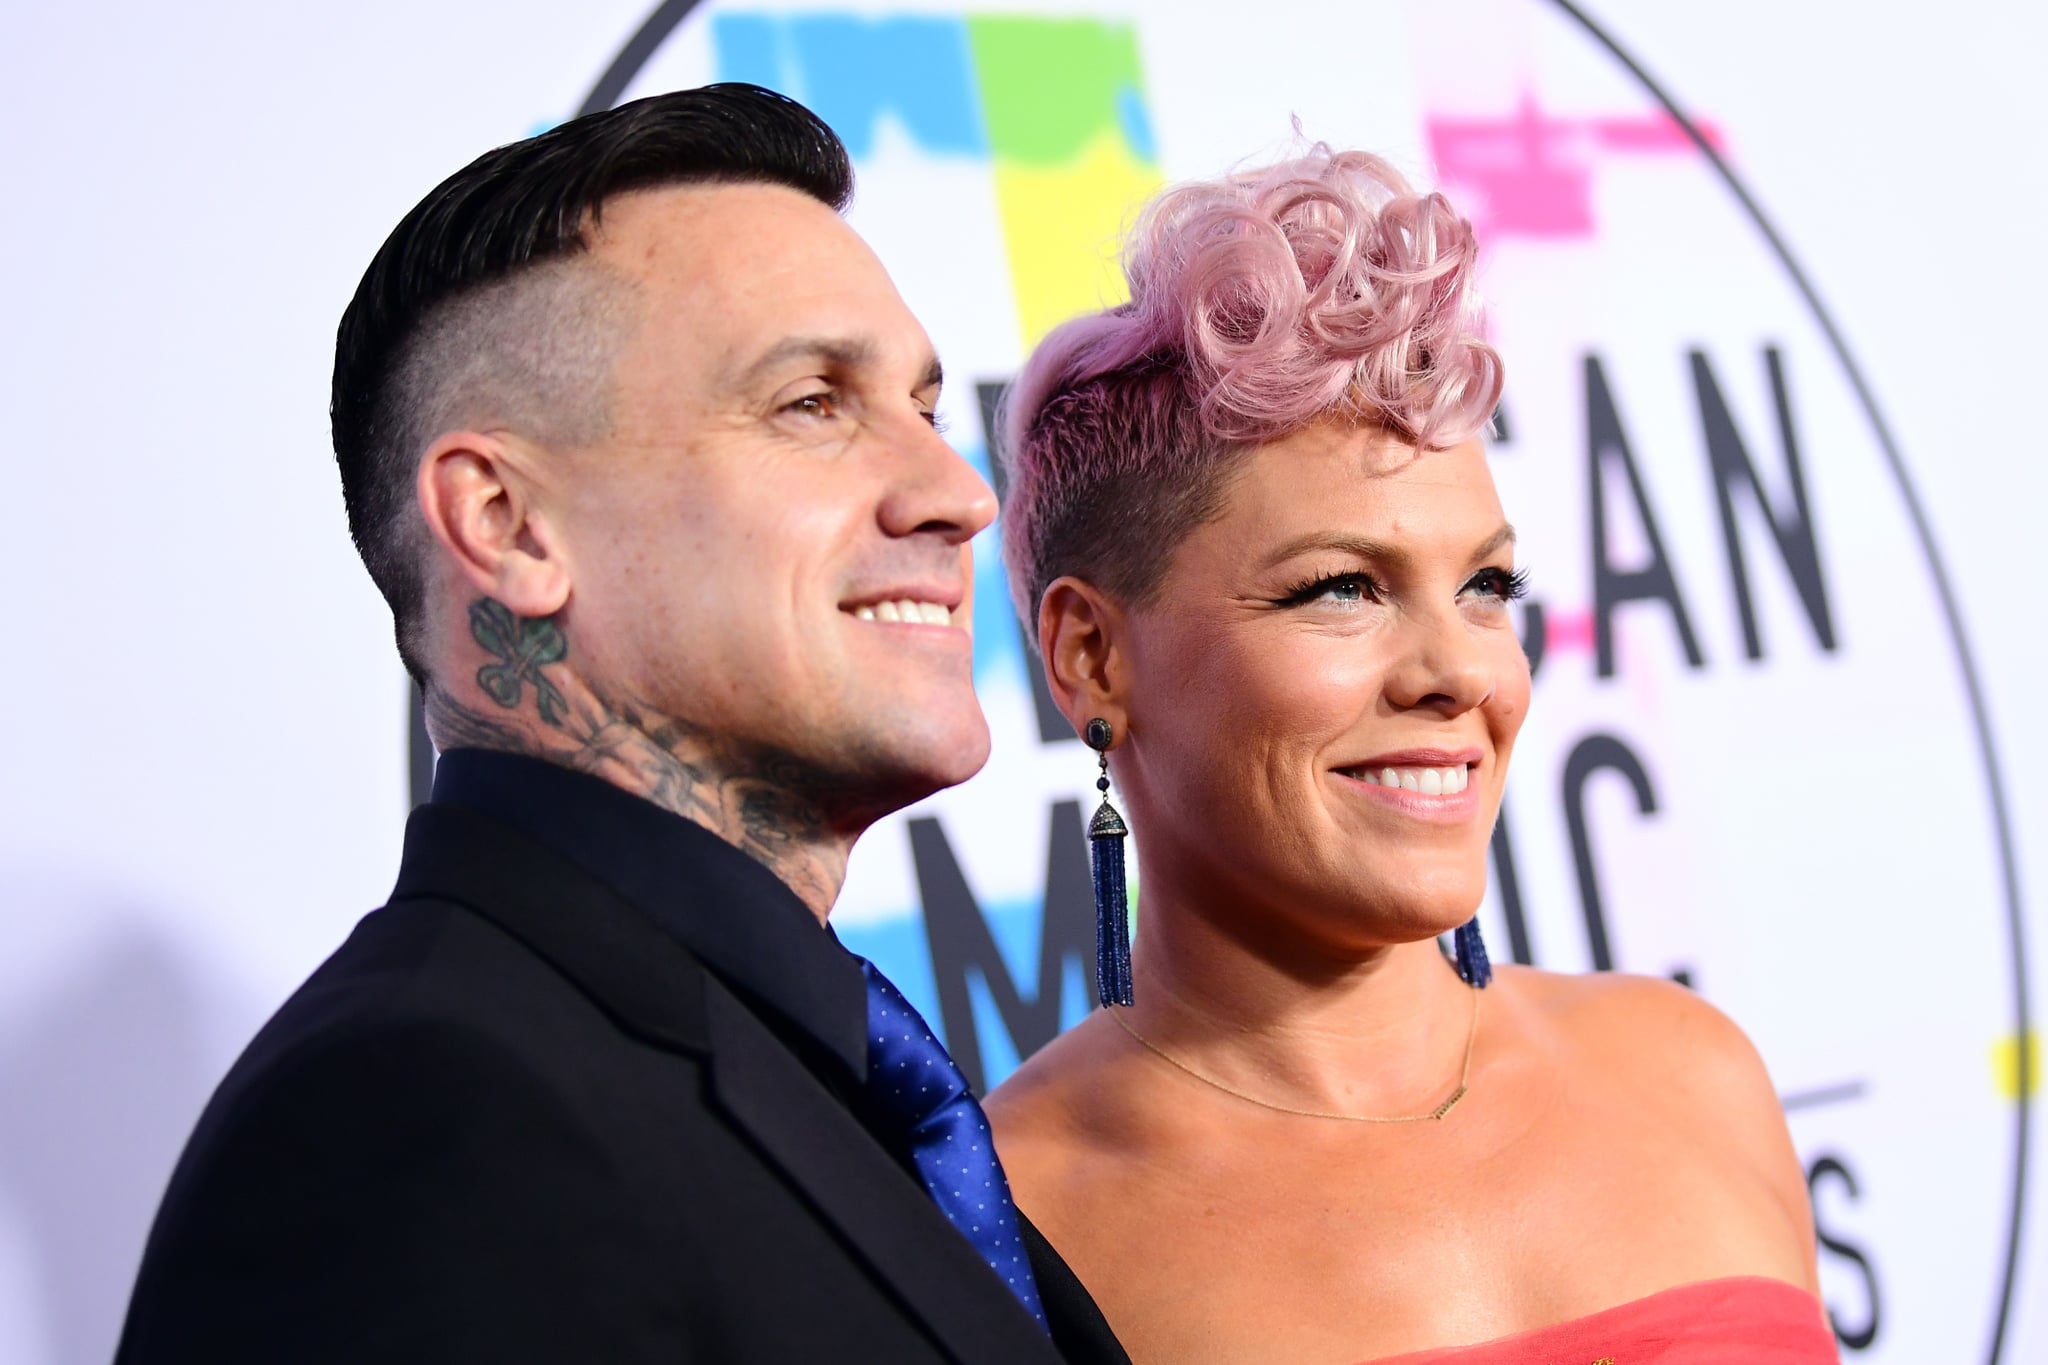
1434 1115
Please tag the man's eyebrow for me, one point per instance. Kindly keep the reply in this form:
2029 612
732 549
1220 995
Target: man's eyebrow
840 352
1362 547
845 353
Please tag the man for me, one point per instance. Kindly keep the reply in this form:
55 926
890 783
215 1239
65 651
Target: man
636 439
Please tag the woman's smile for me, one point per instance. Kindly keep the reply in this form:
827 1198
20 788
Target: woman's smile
1429 784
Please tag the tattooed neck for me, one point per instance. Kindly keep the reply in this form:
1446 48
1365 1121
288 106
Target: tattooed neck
765 805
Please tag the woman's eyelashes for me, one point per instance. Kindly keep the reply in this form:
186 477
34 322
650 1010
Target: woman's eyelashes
1506 585
1344 589
1353 587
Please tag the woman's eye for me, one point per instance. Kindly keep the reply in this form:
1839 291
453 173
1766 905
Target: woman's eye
1504 584
1347 589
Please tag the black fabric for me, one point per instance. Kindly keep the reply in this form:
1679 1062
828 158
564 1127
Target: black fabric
513 1119
1078 1328
773 950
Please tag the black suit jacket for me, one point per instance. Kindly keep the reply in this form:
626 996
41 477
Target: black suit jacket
513 1120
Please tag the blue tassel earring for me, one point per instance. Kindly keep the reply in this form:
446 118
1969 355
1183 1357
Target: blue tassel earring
1106 861
1470 952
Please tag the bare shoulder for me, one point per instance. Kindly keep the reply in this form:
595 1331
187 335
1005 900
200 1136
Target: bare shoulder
1054 1098
1676 1053
1067 1137
1650 1031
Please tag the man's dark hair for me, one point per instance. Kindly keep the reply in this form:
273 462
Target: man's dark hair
469 307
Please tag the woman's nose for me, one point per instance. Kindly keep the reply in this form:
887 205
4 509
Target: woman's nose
1442 666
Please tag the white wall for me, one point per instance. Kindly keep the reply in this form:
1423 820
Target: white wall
1897 148
204 785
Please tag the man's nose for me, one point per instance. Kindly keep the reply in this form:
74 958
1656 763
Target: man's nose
934 490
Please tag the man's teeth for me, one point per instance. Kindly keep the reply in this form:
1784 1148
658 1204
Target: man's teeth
917 613
1428 781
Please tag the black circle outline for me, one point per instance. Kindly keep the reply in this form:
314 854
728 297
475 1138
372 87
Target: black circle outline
653 32
670 13
1979 716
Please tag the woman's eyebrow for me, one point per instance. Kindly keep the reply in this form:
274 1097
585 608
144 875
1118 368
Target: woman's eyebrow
1503 537
1343 542
1364 547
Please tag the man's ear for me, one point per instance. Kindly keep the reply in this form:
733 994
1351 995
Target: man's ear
1082 638
477 494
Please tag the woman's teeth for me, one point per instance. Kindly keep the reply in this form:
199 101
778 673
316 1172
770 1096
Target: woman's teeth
1428 781
917 613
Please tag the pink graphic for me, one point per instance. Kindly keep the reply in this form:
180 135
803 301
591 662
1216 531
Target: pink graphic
1531 175
1568 632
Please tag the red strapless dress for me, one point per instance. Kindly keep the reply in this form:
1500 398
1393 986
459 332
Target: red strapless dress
1751 1320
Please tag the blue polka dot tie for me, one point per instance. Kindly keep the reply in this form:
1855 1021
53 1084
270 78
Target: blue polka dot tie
916 1086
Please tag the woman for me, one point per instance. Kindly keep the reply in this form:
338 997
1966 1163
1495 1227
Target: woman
1251 521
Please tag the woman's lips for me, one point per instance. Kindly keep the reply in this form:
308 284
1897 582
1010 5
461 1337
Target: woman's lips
1427 780
1431 791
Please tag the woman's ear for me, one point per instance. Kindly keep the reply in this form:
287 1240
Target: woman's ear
1082 638
477 496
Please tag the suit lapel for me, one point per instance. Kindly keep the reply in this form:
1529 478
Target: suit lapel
656 989
857 1187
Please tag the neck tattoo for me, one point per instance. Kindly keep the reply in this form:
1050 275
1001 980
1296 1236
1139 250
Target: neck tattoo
1435 1115
767 805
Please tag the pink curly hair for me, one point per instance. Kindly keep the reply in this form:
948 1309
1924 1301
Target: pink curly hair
1319 288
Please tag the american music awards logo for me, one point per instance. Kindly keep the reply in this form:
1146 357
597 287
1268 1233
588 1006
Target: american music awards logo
1757 759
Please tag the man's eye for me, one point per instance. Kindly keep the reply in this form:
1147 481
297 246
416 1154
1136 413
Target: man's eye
824 403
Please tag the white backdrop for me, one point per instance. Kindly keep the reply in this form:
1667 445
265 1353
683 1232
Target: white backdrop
209 773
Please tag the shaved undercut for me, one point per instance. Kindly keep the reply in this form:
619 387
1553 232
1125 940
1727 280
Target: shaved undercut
483 310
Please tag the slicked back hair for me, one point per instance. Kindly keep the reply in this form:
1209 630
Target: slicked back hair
475 304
